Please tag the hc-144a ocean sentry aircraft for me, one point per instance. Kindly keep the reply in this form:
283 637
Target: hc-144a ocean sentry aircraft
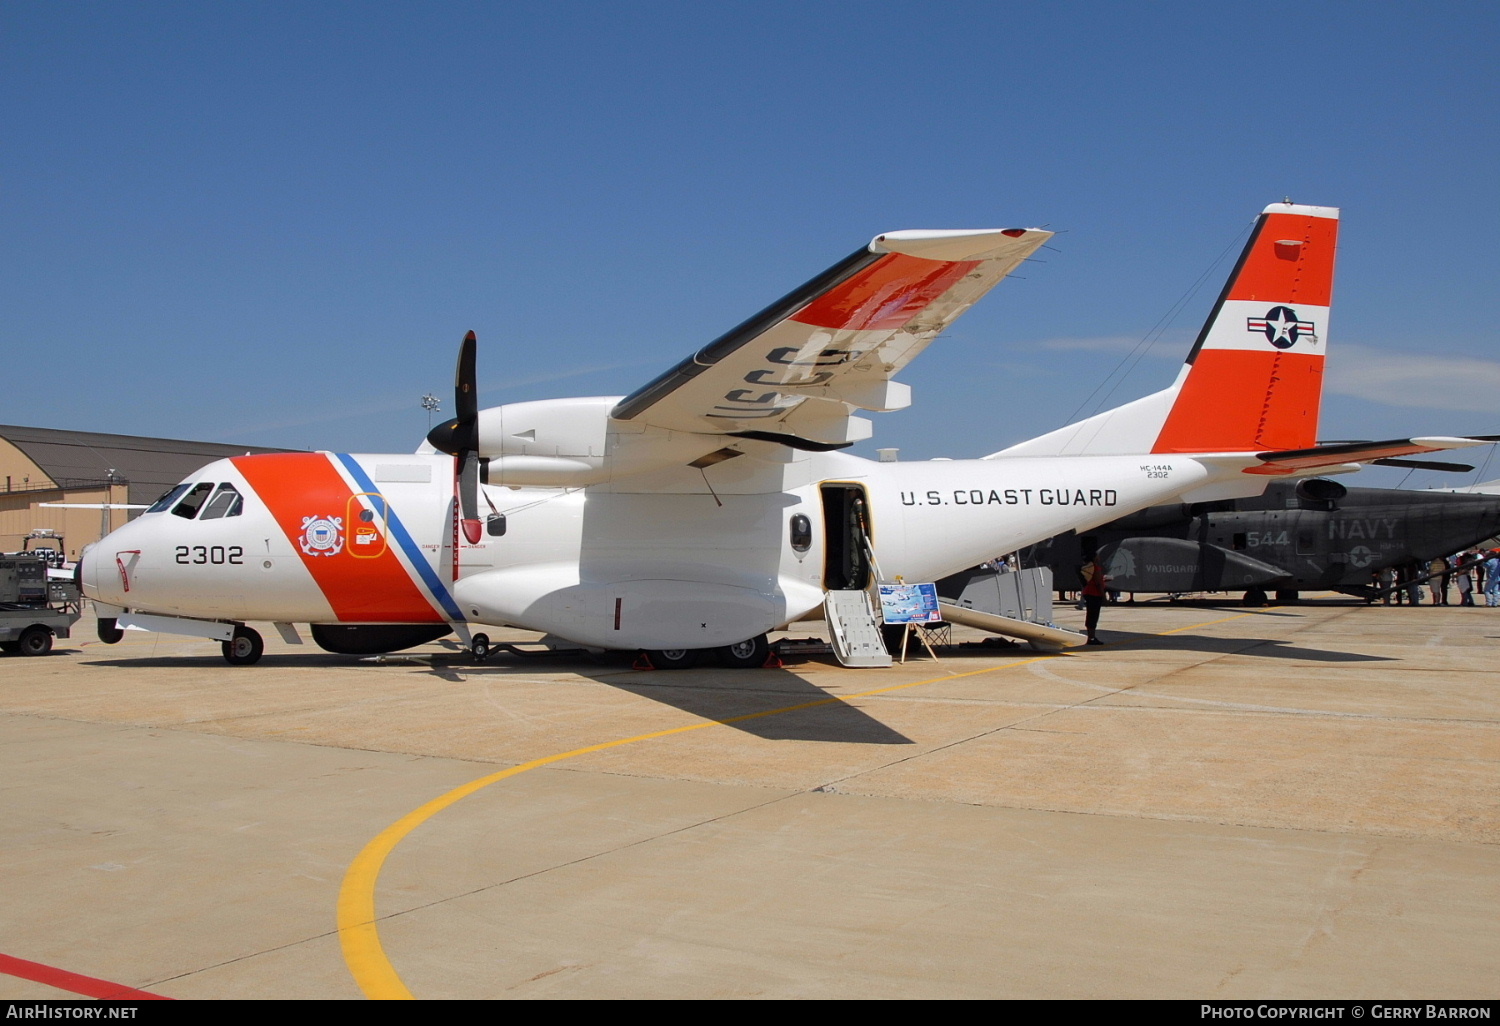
713 505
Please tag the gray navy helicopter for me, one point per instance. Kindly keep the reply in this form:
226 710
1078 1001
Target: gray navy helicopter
1312 535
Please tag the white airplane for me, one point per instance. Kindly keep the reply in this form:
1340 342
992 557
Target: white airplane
712 505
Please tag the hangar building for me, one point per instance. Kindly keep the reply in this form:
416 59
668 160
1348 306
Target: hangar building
40 465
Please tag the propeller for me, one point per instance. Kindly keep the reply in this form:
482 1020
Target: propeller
459 438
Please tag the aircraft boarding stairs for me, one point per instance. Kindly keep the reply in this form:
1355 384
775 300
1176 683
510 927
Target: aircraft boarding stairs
984 599
853 614
854 621
854 629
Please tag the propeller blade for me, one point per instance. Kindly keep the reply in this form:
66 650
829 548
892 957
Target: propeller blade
467 467
465 388
461 434
459 438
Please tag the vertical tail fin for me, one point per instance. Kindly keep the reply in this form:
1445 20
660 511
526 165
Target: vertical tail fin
1254 378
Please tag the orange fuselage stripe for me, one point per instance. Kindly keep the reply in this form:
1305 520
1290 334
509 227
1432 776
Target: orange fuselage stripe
295 486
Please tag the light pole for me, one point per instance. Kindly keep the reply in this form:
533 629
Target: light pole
431 404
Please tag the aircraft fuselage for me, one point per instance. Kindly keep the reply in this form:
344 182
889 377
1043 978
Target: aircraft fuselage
688 558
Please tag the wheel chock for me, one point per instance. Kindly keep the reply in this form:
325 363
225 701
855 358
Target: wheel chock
642 662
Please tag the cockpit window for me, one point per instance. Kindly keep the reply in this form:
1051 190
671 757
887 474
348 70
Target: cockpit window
188 507
168 497
227 502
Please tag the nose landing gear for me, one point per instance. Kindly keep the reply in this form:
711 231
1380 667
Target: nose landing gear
244 649
479 647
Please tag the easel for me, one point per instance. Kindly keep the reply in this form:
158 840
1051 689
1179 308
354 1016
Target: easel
897 606
924 633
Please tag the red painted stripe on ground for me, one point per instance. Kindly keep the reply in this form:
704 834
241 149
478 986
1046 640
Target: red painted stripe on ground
74 983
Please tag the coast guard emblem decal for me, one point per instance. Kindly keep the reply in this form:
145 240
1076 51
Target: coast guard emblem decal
322 536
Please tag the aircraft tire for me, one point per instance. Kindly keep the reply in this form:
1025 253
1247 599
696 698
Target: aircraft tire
673 658
34 641
479 647
109 631
244 649
747 655
1255 597
1286 594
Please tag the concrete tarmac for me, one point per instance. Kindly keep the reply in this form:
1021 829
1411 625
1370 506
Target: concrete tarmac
1223 803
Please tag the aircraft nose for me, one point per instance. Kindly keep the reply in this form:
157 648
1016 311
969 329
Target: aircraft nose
81 577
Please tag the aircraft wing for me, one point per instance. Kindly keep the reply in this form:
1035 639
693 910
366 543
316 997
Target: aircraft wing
796 371
1292 460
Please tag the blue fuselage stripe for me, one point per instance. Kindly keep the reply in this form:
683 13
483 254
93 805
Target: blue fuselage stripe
414 555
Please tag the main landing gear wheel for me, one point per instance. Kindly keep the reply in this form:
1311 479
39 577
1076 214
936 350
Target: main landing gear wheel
673 658
747 655
34 641
1255 597
244 648
479 647
109 630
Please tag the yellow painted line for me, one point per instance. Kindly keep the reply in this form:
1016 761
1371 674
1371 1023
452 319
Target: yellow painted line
1210 623
358 933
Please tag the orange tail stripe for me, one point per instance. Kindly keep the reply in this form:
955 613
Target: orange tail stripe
1237 400
1279 273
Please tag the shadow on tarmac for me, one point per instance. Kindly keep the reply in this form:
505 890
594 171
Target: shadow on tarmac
1257 647
709 692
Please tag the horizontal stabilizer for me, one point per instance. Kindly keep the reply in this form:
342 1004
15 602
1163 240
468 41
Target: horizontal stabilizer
1291 460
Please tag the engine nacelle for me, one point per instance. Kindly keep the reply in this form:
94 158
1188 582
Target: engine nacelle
567 428
549 442
1320 489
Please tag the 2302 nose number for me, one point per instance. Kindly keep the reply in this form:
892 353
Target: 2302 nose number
218 555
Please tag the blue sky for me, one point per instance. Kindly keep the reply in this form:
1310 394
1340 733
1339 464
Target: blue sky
271 223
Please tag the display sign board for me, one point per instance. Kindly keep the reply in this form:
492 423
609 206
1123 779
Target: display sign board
909 603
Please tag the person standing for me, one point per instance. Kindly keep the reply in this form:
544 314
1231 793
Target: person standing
1463 574
1492 578
1413 570
1093 577
1438 571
